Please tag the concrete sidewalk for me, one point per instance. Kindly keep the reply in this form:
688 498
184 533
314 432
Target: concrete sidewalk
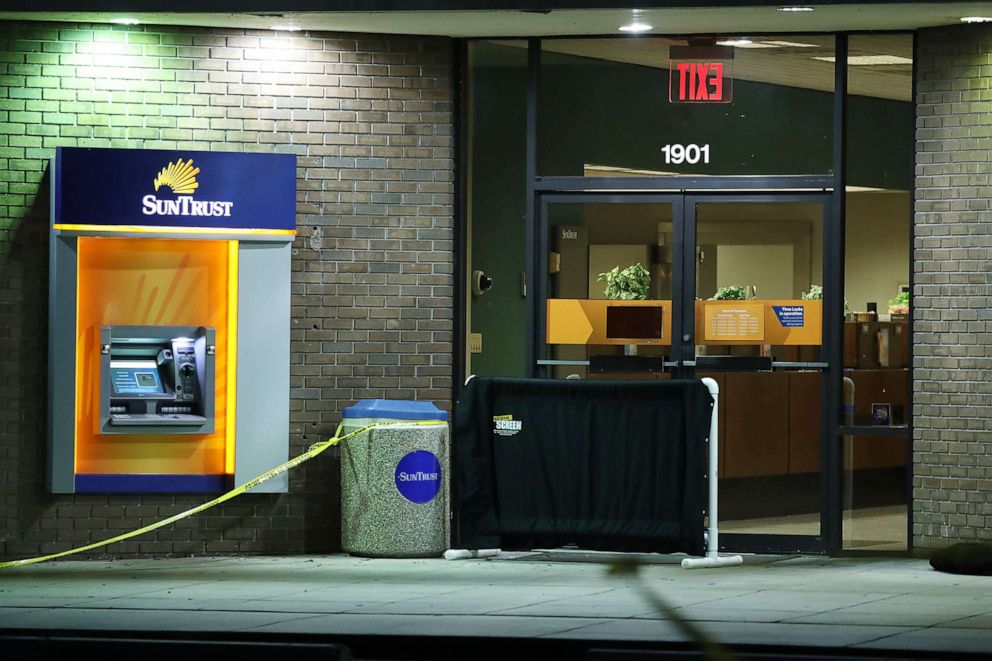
840 604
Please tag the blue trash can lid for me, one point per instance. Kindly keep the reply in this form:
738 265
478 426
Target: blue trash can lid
395 409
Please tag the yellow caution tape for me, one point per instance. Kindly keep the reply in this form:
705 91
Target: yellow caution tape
311 452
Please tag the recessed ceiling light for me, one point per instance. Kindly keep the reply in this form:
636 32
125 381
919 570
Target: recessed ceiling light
869 60
286 28
125 21
636 26
747 43
789 44
795 9
976 19
764 43
739 43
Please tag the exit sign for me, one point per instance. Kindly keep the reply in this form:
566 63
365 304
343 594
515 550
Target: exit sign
700 74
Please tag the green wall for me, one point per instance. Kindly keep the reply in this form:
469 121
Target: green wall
370 120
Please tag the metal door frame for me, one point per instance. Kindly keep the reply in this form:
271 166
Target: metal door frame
682 355
831 370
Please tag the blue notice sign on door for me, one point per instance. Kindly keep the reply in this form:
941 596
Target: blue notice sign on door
790 316
418 476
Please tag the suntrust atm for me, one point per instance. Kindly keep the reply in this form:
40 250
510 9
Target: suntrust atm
169 319
157 379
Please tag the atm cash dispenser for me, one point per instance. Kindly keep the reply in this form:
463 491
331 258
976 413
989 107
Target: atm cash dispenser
156 380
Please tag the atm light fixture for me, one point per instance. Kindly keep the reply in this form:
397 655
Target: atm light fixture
286 28
976 19
125 21
795 9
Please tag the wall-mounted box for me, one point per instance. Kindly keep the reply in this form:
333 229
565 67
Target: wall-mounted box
169 319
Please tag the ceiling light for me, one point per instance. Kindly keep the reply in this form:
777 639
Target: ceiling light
747 43
795 9
739 43
636 26
286 28
789 44
869 60
125 21
976 19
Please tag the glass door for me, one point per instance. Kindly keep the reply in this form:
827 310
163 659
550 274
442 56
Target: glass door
647 286
758 330
613 265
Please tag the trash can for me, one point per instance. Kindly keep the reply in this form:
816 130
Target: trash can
394 481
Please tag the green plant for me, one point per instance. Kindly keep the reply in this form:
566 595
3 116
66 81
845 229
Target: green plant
730 293
629 284
815 293
899 304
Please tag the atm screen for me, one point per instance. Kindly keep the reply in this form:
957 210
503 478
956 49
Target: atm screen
135 378
633 322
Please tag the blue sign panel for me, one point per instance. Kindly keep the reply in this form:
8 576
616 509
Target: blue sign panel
790 316
161 188
418 476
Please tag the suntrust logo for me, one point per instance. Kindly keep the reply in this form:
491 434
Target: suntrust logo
180 179
418 476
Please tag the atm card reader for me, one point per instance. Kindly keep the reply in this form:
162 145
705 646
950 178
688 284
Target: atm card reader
157 379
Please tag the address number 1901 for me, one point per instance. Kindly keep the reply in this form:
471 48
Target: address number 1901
691 154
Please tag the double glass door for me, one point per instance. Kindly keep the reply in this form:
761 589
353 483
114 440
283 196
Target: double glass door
653 286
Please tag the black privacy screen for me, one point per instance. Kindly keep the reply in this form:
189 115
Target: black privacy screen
600 464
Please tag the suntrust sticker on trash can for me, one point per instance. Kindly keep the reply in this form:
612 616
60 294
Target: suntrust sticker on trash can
418 476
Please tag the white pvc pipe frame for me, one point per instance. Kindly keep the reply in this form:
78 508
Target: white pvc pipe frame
713 557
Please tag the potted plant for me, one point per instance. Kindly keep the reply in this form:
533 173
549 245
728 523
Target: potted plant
630 284
730 293
815 293
899 306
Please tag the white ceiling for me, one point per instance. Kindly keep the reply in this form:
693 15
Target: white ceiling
501 23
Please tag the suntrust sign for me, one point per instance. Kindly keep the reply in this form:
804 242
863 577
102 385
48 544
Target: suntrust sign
700 74
418 476
184 206
183 189
180 178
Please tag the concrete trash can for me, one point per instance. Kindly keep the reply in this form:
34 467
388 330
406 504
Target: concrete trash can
394 481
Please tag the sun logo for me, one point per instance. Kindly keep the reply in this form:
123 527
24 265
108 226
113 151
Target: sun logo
179 176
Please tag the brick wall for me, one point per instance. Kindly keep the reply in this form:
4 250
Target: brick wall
952 298
370 119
